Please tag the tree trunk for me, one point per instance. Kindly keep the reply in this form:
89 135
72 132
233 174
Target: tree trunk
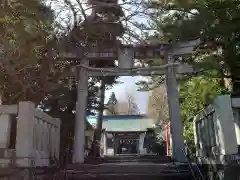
100 118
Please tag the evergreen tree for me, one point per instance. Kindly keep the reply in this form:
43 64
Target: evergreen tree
112 100
26 35
112 105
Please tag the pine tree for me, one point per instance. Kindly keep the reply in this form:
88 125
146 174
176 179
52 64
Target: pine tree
112 105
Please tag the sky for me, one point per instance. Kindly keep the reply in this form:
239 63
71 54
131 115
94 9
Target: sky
128 86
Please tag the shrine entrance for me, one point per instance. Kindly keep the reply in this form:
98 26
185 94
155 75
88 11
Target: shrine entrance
126 143
123 143
127 146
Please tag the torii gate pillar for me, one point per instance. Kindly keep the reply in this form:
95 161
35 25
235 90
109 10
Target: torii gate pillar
81 108
174 111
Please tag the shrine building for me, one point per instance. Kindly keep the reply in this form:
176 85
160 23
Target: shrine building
124 134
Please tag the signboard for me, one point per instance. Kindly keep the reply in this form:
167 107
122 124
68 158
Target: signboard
108 53
125 58
150 52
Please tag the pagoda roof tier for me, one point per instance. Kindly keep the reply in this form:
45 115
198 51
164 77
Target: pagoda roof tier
115 9
93 37
92 2
97 30
102 7
98 25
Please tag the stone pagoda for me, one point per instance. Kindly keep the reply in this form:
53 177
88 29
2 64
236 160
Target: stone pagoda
100 31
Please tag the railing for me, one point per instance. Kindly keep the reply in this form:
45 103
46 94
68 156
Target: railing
46 137
36 139
216 130
200 175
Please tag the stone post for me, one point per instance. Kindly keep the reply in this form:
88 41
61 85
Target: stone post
105 143
174 111
5 129
24 139
81 108
58 128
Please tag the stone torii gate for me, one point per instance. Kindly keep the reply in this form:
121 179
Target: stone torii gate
125 55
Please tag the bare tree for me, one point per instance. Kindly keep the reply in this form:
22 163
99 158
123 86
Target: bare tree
129 106
158 105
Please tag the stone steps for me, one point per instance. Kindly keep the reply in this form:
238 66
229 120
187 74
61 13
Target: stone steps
109 159
131 176
129 168
120 169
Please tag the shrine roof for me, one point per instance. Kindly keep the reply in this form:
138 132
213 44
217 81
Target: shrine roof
128 125
124 117
124 123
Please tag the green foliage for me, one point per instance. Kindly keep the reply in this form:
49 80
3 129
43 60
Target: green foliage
63 100
215 22
155 139
26 29
197 93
